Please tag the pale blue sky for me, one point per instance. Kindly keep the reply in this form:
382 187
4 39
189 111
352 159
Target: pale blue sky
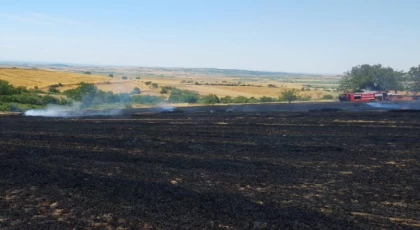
314 36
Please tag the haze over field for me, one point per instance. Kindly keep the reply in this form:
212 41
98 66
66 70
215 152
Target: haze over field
323 36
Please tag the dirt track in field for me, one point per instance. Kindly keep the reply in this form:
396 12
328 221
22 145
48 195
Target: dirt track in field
211 171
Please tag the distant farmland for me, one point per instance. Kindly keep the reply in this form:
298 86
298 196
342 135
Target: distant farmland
256 86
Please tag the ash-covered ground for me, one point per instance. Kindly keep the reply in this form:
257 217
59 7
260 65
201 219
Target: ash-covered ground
212 170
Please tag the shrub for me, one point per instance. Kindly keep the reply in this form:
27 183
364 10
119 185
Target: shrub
155 85
148 83
327 97
272 86
252 100
210 99
84 93
124 77
165 89
4 107
267 99
183 96
52 89
289 95
304 97
136 90
240 99
226 100
7 89
111 75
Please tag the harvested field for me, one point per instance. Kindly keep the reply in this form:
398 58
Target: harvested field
273 170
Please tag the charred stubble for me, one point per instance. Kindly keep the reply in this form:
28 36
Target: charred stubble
267 170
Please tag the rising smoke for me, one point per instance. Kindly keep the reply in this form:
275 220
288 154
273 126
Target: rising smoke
70 111
401 105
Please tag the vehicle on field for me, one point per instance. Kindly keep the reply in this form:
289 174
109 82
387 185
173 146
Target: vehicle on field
364 97
376 96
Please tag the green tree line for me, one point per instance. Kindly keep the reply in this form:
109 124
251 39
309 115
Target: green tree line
380 78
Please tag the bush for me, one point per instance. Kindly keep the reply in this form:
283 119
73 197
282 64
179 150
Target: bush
111 75
137 78
327 97
252 100
83 90
47 99
89 96
165 89
87 72
4 107
84 93
22 98
267 99
226 100
240 99
124 77
304 97
155 85
148 83
210 99
272 86
52 89
289 95
136 90
183 96
7 89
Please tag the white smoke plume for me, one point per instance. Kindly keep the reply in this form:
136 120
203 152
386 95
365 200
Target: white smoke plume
70 111
405 105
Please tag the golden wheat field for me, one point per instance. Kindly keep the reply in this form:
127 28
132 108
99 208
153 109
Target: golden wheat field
42 79
31 78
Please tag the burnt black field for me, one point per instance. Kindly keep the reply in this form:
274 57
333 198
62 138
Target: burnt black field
236 170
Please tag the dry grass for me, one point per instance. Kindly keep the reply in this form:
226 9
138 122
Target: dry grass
44 78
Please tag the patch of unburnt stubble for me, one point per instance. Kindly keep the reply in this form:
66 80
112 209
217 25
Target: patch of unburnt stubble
232 171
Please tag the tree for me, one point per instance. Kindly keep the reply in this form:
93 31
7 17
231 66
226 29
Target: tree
85 93
289 95
111 75
371 77
413 79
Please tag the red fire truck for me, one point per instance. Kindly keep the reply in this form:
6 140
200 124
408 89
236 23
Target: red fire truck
364 97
